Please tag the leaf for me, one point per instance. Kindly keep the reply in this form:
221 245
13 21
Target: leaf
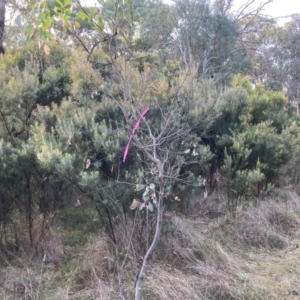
18 21
29 28
46 35
82 15
152 186
138 187
150 206
22 42
100 24
146 198
194 153
66 2
146 191
46 50
142 205
187 151
135 203
58 3
77 203
153 197
90 179
92 11
46 24
77 24
97 164
87 163
110 12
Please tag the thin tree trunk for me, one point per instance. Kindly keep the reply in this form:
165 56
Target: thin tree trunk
2 24
142 273
119 271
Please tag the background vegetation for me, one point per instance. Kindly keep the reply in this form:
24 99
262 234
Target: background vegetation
206 199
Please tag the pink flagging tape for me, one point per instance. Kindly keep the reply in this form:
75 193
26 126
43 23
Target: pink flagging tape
135 127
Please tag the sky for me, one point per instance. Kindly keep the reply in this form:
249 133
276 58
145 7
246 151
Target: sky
277 8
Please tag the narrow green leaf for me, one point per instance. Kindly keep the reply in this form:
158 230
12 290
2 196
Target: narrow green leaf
82 15
68 12
100 24
58 3
66 2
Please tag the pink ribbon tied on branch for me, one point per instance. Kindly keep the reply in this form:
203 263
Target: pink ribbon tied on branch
135 127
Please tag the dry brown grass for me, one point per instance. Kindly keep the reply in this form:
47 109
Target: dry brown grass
233 259
84 276
253 257
50 247
167 283
97 261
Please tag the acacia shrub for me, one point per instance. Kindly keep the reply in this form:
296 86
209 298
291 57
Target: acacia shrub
253 138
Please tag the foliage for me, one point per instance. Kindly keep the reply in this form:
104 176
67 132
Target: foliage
254 138
71 96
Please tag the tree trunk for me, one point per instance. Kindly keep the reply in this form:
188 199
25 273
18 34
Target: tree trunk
150 250
2 24
142 273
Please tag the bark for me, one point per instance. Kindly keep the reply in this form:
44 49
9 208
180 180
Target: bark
142 273
2 24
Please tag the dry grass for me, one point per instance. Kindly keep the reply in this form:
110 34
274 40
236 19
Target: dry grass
80 277
255 256
234 259
50 248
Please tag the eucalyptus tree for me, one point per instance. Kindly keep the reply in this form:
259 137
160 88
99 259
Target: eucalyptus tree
205 35
214 36
289 54
274 53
